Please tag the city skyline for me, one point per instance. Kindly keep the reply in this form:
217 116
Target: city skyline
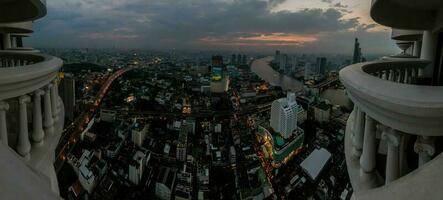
320 26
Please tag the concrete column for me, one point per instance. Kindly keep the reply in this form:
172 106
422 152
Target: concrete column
392 159
23 144
391 75
3 124
368 157
428 51
13 42
54 106
358 133
37 127
417 49
6 40
425 148
406 76
49 121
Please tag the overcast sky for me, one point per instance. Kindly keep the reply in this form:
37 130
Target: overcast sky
308 26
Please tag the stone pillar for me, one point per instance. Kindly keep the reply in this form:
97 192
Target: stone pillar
392 138
23 144
54 99
6 40
358 133
425 148
417 49
49 121
37 127
391 75
368 157
3 124
428 51
406 76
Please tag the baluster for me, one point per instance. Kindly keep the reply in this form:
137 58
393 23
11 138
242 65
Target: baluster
425 148
359 133
392 159
37 132
54 100
23 144
49 121
3 124
368 157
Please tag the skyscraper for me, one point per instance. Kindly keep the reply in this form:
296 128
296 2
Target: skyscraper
67 93
321 66
233 60
357 52
284 115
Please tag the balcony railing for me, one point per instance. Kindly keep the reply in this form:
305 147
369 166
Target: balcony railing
392 129
31 111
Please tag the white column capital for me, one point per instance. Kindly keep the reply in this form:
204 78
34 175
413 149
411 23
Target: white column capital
39 92
24 99
392 136
4 106
424 145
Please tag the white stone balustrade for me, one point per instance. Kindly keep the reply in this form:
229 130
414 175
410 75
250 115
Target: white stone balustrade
385 96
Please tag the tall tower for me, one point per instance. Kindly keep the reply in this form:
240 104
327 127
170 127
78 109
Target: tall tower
284 115
357 52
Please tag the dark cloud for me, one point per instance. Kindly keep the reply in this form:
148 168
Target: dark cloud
178 24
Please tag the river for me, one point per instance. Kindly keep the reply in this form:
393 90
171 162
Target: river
262 68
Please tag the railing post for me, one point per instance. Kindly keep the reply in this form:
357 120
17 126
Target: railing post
358 133
3 124
37 133
368 157
392 159
54 99
23 144
425 148
49 121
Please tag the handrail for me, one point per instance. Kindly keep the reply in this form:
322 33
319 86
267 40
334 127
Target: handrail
29 72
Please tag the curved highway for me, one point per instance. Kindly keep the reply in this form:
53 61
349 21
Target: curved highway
72 134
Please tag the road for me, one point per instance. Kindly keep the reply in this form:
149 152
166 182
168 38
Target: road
72 133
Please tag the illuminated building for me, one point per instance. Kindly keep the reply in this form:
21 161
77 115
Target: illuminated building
219 77
284 115
278 149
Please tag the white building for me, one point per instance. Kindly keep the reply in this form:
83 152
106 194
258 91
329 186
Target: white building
284 115
137 166
138 134
108 115
393 135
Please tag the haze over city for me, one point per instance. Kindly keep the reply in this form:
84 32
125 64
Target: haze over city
308 26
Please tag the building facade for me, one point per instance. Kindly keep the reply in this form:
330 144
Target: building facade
284 115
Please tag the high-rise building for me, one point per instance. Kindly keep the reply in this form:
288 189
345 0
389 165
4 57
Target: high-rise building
393 136
233 60
137 166
321 66
220 78
67 93
357 52
31 111
244 60
239 58
284 115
